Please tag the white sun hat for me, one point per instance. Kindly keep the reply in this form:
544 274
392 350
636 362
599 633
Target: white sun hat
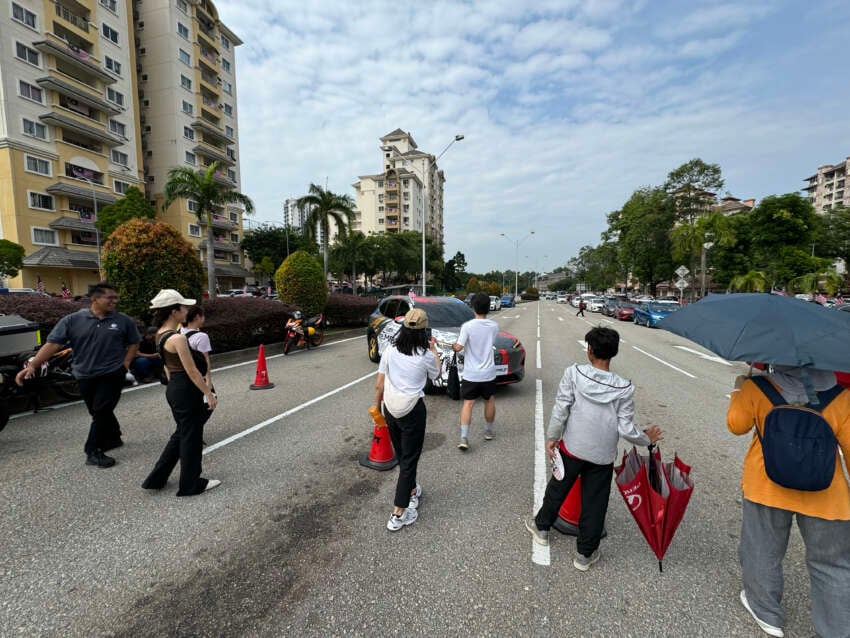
170 297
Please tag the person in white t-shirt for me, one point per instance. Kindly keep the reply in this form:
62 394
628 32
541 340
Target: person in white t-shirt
479 370
198 340
404 368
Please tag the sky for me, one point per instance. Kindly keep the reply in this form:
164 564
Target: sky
566 106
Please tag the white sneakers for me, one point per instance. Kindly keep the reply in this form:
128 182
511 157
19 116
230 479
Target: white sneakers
770 630
414 497
212 484
408 517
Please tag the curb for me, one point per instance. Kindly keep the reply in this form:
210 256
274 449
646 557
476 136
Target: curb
276 347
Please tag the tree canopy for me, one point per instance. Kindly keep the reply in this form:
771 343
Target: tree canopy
132 205
11 258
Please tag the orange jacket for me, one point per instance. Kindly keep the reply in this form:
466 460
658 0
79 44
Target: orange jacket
749 407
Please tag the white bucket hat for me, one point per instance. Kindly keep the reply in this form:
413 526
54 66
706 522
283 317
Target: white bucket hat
170 297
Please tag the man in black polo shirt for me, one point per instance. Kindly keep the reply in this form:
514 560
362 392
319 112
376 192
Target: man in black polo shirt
104 344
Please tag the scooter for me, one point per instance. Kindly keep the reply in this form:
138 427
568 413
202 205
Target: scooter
300 333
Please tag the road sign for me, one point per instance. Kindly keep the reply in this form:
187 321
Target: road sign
682 271
681 284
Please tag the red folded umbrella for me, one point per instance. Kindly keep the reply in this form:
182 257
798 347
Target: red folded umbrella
656 494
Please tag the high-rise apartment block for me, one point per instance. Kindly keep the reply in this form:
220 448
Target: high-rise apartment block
293 217
406 195
825 189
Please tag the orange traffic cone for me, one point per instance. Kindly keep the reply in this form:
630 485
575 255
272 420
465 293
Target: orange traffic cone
568 515
261 380
381 456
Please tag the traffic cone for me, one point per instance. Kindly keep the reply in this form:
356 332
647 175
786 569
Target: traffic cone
261 380
381 456
568 515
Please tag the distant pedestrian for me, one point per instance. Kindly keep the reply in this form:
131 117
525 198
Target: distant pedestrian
479 371
581 306
405 366
189 396
104 343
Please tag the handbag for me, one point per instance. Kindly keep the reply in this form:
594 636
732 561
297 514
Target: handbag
453 382
396 402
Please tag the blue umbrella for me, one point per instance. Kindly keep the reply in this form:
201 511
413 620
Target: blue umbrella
766 328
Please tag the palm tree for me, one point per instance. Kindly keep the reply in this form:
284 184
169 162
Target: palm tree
209 194
321 207
830 281
753 281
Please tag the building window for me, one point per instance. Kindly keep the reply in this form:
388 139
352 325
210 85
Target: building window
186 83
109 33
112 65
407 220
228 110
112 5
406 208
380 220
23 52
194 230
122 159
188 133
405 182
35 129
225 43
181 4
31 92
37 165
190 158
228 130
183 30
43 236
380 209
234 237
380 183
114 96
192 205
23 16
41 200
234 258
227 87
120 187
234 217
185 58
187 108
231 154
225 65
119 128
231 174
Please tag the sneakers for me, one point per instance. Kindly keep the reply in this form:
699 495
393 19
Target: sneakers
770 630
408 517
488 434
541 536
414 497
583 563
212 484
464 444
99 459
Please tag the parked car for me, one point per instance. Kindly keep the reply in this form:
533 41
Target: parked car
650 313
561 299
611 303
445 317
594 304
495 303
625 310
508 301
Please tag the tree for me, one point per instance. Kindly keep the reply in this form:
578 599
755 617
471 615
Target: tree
752 281
264 269
321 207
472 285
829 281
132 205
693 186
453 272
142 256
11 258
299 283
276 243
348 254
208 195
832 235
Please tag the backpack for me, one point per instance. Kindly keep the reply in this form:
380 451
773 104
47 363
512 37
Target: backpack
198 357
798 445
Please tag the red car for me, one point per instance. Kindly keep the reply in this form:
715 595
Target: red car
625 311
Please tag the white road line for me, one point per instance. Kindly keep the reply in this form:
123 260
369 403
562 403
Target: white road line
283 415
539 553
669 365
539 355
582 343
702 355
560 318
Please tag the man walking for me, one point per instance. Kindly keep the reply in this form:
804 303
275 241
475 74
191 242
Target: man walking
104 343
581 306
479 370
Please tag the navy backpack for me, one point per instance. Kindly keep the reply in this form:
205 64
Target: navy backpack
798 444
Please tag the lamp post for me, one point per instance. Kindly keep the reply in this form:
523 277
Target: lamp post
705 246
517 242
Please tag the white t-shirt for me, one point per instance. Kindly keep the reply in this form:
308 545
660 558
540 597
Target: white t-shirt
199 341
408 373
477 337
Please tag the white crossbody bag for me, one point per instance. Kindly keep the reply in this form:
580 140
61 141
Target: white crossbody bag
396 402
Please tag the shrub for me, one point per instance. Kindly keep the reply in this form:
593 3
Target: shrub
349 310
241 322
142 256
300 282
46 311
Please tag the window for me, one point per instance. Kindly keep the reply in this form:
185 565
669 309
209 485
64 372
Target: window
231 154
234 258
406 196
183 30
407 220
185 82
120 187
120 158
31 92
228 110
114 96
380 209
227 87
225 64
41 200
23 15
190 158
43 235
380 183
231 174
192 205
188 133
35 129
181 4
185 58
112 5
234 237
225 43
407 208
234 217
405 182
23 52
112 65
187 108
119 128
109 33
380 220
194 230
37 165
228 130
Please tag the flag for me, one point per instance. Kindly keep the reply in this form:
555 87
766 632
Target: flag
66 294
82 173
245 289
820 299
40 284
839 299
777 291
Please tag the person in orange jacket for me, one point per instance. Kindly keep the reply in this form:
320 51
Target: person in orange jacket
823 517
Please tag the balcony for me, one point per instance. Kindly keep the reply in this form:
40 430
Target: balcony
222 178
210 104
82 173
212 82
212 152
210 36
208 59
68 123
213 131
221 222
76 97
74 55
80 22
221 245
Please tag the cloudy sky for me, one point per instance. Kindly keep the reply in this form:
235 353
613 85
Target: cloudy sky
567 106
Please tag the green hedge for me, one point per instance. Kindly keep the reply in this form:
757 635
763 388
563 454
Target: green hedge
349 310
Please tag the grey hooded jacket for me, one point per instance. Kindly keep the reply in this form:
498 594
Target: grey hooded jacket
593 409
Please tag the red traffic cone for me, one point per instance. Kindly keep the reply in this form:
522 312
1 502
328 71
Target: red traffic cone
381 456
568 515
261 380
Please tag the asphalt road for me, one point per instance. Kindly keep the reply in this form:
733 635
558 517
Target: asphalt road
294 542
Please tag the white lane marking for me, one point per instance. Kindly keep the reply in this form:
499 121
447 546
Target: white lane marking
283 415
539 355
582 343
539 553
669 365
560 318
704 356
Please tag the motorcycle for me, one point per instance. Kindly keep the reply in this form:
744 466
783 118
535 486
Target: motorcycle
54 375
300 333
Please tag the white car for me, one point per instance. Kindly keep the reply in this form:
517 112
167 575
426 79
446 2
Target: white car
495 303
561 299
595 304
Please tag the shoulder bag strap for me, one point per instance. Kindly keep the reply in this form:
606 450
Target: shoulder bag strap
161 345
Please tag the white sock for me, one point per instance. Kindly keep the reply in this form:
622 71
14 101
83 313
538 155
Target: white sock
464 431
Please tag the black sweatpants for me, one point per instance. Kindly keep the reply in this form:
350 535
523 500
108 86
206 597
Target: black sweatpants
101 395
186 444
595 490
408 436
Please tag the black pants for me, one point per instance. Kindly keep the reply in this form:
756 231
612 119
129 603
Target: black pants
595 489
186 444
101 395
580 312
407 435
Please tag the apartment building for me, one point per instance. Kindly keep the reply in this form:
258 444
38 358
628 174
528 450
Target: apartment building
825 189
293 217
68 132
406 195
188 113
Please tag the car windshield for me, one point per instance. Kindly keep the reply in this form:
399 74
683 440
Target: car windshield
663 307
626 304
446 314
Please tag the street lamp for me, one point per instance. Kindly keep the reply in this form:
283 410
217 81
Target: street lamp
705 246
517 242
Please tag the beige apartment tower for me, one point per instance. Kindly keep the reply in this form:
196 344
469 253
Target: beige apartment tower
825 189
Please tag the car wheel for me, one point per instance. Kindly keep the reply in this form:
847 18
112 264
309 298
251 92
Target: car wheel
374 353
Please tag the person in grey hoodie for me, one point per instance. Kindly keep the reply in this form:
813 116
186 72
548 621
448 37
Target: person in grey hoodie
593 408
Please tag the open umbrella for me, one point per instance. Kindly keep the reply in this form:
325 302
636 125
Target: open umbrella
767 328
656 494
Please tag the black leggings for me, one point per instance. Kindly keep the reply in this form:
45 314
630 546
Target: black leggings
407 435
